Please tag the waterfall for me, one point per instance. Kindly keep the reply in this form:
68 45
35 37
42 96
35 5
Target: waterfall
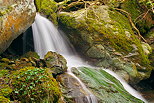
47 38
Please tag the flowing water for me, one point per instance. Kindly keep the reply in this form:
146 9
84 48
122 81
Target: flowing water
47 38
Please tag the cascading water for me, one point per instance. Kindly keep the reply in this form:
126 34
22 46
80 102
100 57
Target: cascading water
47 38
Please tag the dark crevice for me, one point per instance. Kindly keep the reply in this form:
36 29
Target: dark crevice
21 45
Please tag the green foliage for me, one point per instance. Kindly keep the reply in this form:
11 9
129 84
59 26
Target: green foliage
32 84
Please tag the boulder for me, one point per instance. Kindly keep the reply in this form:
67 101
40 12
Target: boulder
32 84
105 35
15 18
56 62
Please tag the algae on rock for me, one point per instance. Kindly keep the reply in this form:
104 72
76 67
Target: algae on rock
104 86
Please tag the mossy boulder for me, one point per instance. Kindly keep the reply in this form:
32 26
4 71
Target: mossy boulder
56 62
15 18
28 79
104 86
32 84
5 89
52 60
106 36
47 8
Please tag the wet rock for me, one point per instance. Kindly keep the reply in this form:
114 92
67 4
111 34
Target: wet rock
72 90
16 17
104 86
106 36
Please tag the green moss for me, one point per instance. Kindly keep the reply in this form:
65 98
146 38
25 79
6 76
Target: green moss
48 8
5 90
68 21
4 100
115 34
32 84
125 43
5 10
31 54
134 8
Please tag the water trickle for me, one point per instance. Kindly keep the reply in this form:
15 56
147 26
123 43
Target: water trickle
47 38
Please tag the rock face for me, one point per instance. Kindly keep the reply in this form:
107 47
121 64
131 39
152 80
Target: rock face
106 37
15 18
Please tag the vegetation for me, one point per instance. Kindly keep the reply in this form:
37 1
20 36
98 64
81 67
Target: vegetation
28 80
35 84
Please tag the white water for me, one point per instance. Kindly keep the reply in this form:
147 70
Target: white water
47 38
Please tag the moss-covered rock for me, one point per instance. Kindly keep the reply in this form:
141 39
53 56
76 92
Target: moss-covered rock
32 84
15 18
104 86
31 79
47 8
106 36
31 54
55 62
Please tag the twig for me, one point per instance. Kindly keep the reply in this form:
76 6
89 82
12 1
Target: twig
133 25
144 15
